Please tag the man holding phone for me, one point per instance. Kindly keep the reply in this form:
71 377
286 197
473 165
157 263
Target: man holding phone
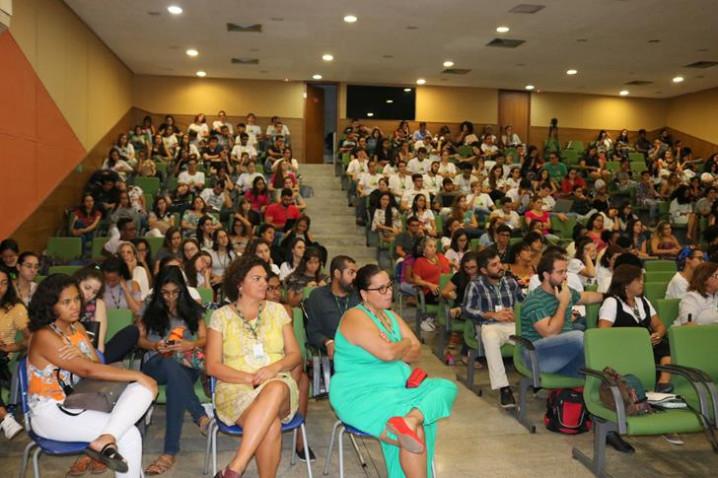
489 301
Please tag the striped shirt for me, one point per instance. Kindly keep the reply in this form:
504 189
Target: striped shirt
482 296
540 305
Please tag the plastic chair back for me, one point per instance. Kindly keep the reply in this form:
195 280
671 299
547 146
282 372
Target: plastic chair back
653 291
625 349
659 276
64 248
69 270
667 310
695 347
660 265
117 319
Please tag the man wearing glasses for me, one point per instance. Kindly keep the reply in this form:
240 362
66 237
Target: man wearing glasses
489 301
326 305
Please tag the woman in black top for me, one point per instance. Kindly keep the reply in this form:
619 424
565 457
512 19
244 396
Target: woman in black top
454 289
625 306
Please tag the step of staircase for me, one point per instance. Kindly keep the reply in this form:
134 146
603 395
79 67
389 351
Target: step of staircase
333 221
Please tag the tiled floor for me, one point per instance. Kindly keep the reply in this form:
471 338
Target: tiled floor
478 440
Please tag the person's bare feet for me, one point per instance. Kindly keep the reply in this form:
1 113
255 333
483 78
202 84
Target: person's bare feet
102 441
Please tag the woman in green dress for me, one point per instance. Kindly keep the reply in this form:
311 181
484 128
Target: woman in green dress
374 350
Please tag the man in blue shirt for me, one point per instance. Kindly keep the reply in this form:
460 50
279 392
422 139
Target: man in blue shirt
489 301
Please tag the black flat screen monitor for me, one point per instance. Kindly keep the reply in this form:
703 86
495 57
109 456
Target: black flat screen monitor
381 102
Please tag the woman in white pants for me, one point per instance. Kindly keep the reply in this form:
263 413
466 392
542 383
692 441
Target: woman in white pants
60 350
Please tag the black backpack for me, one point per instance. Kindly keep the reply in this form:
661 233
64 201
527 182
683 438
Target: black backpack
566 412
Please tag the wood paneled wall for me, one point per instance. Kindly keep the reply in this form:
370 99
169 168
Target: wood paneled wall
295 125
44 222
701 148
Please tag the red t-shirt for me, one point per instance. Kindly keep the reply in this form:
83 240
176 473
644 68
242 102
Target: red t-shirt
544 218
277 214
430 272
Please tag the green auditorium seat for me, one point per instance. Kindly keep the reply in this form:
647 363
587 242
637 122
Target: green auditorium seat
64 248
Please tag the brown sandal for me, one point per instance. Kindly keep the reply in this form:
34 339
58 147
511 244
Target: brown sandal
97 467
162 464
80 467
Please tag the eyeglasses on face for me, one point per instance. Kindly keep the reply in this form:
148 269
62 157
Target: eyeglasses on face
382 289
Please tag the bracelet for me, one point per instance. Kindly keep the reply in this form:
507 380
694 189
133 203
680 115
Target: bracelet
330 341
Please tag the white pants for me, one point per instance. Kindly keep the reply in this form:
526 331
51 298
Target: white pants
49 421
493 336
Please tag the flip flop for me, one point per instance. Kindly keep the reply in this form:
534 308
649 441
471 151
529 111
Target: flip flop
109 456
407 438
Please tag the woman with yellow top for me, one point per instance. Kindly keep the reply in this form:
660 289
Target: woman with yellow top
251 350
60 350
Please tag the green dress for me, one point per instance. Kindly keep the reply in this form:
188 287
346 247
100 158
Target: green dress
366 391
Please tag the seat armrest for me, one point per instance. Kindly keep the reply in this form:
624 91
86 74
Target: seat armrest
695 381
532 358
620 407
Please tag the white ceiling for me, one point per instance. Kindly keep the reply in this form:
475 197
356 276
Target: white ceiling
296 33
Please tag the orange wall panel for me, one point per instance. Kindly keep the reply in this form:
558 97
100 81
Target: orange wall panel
37 146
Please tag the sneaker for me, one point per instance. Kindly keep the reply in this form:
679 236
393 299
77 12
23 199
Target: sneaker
664 387
428 324
673 439
10 427
506 398
618 443
300 455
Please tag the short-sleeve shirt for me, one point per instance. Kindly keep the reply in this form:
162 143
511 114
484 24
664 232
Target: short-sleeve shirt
608 310
429 271
238 341
12 321
540 305
277 214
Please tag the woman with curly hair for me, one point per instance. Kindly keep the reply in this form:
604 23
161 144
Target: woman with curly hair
60 348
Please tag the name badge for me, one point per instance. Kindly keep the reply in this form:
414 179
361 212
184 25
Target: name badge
258 350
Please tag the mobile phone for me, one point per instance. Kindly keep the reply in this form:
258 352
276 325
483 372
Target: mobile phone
170 342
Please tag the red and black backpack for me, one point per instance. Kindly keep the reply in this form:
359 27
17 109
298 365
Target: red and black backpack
566 412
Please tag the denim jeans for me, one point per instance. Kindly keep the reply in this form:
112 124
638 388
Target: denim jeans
180 396
561 354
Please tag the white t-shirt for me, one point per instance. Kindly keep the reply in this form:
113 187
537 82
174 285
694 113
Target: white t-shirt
703 310
238 149
245 180
201 129
217 126
416 166
356 167
603 278
139 275
576 265
548 203
399 184
608 310
191 179
213 201
285 270
409 195
272 131
369 182
433 183
253 130
677 287
447 169
480 201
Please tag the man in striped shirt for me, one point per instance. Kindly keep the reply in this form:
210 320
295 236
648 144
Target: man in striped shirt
489 301
546 318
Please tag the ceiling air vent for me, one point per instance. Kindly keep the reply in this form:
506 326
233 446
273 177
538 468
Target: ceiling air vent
233 27
638 82
505 43
527 8
245 61
456 71
702 64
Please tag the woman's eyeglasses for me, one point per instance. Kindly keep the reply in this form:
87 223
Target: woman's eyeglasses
382 289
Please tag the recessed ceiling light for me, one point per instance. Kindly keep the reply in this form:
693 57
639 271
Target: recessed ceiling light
286 79
407 90
175 9
201 73
502 29
305 95
350 18
448 64
389 101
529 87
623 92
369 115
327 57
421 81
571 71
678 79
317 77
192 52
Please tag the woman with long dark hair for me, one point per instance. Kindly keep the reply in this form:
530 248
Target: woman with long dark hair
173 333
84 222
258 195
387 219
307 274
296 252
375 350
13 319
28 265
60 348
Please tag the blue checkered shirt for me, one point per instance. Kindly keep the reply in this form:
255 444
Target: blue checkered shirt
482 296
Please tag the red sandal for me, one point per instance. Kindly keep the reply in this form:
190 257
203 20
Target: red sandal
407 438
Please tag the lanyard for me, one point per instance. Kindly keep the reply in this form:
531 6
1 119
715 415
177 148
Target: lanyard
253 329
339 307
